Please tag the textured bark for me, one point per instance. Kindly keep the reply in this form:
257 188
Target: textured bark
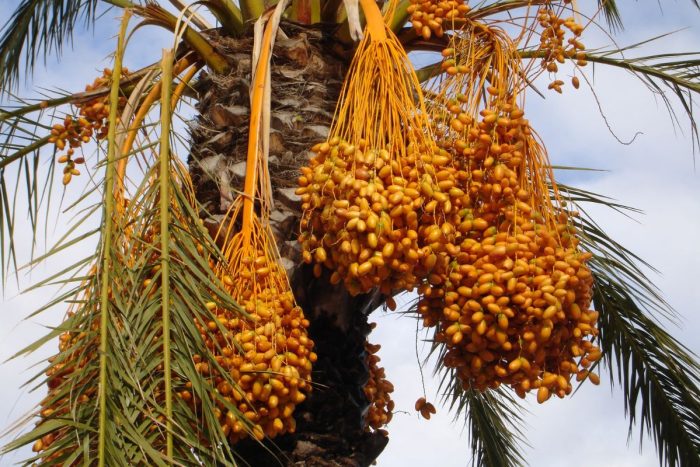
306 81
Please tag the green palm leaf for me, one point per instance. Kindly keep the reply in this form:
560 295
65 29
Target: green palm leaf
674 75
659 377
609 8
612 12
667 75
25 187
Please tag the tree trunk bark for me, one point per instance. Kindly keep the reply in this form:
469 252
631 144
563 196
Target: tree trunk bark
306 81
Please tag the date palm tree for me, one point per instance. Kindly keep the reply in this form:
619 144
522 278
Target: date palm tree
141 376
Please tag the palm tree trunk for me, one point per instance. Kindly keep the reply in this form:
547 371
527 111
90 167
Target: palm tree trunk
306 80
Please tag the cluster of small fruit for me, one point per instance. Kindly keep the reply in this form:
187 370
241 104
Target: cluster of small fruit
378 391
266 350
428 16
509 297
363 211
92 121
552 45
268 354
425 408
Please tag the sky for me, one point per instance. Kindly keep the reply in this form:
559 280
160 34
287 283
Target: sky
655 173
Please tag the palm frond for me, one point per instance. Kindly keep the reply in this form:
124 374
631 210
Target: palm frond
106 253
400 16
611 13
28 160
107 402
484 10
494 428
36 29
228 14
157 15
668 75
609 9
251 10
165 221
21 107
659 377
135 376
26 178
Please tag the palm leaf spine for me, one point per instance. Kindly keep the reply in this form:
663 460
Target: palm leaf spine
107 242
165 116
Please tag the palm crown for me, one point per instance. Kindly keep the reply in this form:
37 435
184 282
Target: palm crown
185 339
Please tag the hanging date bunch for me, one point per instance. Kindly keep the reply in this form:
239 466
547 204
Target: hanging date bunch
268 351
555 51
366 188
512 307
428 16
92 121
378 390
452 106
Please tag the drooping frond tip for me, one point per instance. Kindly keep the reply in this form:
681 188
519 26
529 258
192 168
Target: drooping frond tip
494 420
658 376
612 13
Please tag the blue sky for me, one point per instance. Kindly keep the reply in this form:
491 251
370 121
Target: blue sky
655 173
